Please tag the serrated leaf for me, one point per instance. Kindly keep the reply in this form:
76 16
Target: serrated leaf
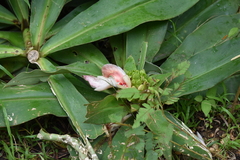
182 68
142 115
158 124
123 147
128 93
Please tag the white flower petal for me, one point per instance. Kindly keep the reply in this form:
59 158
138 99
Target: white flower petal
97 83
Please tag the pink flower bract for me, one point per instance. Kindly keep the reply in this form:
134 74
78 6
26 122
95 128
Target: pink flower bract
113 76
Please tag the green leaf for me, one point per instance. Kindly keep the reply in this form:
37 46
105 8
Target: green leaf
15 38
185 141
123 147
198 98
128 93
213 66
43 16
191 20
30 78
103 21
62 22
212 92
142 115
36 76
10 51
158 124
7 63
87 53
80 69
109 110
182 68
211 58
130 64
7 17
118 44
199 40
72 102
30 102
206 107
6 71
153 33
20 9
233 32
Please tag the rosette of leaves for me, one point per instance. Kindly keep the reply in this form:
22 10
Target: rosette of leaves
153 132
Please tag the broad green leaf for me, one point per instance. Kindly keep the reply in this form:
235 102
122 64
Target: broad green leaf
118 44
15 38
62 22
24 103
206 107
214 66
186 142
36 76
43 16
199 40
160 127
10 51
152 69
33 77
80 69
72 102
109 110
87 53
7 17
198 98
191 20
152 32
103 21
20 9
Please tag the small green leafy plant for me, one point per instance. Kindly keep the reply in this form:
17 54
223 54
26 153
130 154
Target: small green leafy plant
60 42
